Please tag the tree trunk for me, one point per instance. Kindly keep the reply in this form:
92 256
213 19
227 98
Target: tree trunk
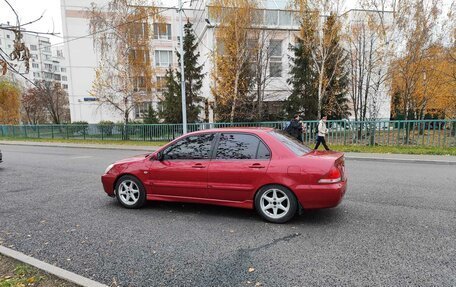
320 87
233 105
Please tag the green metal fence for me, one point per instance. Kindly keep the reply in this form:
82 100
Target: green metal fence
383 132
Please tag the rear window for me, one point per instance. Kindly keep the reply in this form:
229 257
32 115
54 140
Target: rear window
290 142
241 146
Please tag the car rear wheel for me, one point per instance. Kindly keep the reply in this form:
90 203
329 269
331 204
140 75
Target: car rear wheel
130 192
276 203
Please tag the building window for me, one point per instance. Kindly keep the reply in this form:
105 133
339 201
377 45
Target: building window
35 66
47 57
258 17
275 61
161 83
272 17
284 18
162 31
48 76
63 70
139 56
275 69
139 83
34 56
138 30
36 75
47 49
141 109
33 47
64 78
48 67
57 77
163 58
65 86
7 36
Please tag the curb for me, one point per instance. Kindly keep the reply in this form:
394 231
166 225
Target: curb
48 268
397 160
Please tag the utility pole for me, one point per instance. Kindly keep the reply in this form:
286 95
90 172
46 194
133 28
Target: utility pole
184 101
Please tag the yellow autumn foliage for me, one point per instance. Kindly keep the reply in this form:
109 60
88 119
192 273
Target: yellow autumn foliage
431 82
9 103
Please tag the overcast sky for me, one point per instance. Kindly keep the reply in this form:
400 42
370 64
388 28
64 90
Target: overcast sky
29 10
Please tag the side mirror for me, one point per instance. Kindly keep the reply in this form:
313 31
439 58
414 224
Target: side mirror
160 156
157 156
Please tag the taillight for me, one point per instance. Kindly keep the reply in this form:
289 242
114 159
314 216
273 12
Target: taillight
333 176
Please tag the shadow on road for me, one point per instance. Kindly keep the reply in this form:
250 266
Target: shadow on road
308 217
320 216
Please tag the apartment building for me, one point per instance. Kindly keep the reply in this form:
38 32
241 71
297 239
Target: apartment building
281 24
47 61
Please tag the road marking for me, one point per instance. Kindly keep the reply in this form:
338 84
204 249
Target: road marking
48 268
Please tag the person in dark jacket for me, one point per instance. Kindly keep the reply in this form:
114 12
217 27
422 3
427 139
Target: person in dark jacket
295 128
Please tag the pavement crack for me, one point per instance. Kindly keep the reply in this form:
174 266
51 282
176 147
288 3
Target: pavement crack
274 242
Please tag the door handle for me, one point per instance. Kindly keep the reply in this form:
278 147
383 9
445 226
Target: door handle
256 165
198 165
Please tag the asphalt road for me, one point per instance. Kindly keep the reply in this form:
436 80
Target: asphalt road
395 227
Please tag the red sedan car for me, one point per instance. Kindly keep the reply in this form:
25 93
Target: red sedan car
259 168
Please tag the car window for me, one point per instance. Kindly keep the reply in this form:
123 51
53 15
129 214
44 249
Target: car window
263 152
290 142
237 146
191 147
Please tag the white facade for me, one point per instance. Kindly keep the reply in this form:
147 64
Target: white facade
81 60
47 62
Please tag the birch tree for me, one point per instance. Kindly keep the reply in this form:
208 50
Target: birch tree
122 37
417 25
232 72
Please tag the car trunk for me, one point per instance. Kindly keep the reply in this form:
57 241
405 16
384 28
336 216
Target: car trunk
328 160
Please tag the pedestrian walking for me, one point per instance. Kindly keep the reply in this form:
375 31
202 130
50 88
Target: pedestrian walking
322 132
295 128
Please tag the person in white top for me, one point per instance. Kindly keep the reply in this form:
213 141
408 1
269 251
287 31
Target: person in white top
322 132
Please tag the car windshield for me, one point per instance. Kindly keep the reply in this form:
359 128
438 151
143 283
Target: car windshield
290 142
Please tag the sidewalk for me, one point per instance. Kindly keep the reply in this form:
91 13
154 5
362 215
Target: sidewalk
399 158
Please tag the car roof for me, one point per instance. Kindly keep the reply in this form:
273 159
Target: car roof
236 129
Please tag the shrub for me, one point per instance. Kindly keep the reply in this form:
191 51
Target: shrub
105 127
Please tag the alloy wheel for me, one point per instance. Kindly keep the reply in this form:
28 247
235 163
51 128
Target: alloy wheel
128 192
275 203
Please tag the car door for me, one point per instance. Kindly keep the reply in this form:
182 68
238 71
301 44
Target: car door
183 169
238 166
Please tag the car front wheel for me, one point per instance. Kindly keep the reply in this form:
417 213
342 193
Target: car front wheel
130 192
276 203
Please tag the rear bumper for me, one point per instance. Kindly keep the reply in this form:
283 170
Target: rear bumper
321 195
108 183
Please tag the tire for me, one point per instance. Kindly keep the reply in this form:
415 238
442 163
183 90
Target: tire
130 192
276 203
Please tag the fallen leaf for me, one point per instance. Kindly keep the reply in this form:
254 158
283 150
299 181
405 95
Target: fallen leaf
251 269
258 284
